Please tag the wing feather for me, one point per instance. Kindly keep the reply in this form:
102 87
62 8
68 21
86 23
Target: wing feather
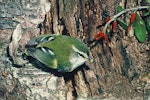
44 55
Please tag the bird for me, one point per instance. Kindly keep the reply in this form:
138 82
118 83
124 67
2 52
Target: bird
60 52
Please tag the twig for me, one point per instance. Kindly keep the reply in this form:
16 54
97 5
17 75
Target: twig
122 12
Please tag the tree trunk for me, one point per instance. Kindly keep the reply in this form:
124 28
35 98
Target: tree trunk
120 71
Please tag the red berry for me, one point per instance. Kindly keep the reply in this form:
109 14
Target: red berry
133 16
107 19
101 35
114 25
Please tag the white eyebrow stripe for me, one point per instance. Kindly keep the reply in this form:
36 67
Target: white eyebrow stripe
76 50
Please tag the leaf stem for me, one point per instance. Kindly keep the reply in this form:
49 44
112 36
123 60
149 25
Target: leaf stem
122 12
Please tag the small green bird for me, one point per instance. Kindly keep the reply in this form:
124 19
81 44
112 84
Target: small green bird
59 52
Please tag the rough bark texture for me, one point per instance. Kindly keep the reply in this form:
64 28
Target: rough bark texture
120 71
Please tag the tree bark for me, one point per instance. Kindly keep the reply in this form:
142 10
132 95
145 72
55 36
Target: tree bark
120 71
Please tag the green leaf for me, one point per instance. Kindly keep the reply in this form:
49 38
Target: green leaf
122 24
119 9
139 29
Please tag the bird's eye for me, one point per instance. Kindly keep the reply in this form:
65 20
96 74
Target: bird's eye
81 55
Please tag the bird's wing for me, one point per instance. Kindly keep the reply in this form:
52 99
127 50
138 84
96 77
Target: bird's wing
44 55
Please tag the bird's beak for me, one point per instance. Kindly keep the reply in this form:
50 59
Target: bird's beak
91 60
